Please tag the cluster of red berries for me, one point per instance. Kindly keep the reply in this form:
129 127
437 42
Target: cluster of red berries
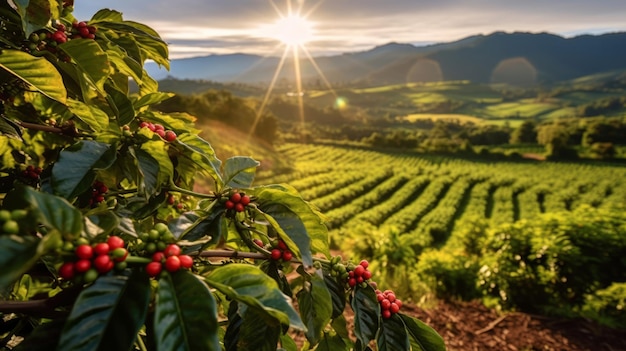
237 202
281 252
359 274
98 190
82 30
93 260
172 201
167 135
388 303
170 258
59 35
32 172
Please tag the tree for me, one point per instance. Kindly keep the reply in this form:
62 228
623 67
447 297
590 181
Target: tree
104 245
525 133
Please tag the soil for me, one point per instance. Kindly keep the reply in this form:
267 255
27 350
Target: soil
470 326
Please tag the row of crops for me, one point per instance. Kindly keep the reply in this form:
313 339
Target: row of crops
536 236
425 195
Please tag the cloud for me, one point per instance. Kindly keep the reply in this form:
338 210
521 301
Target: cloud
348 25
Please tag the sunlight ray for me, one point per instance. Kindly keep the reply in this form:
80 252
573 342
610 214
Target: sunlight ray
319 71
266 98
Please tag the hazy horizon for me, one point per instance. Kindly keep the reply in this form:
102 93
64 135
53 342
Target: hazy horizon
204 27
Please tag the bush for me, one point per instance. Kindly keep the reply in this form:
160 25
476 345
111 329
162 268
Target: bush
550 264
449 275
608 306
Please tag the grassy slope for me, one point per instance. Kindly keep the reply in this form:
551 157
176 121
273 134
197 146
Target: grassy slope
476 101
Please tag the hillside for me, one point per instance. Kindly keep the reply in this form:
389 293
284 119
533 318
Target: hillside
524 58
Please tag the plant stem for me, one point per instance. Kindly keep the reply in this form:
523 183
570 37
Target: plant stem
232 254
45 308
174 188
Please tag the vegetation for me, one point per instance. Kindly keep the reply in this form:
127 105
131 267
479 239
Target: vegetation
106 245
536 236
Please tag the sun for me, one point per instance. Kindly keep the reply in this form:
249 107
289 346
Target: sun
291 30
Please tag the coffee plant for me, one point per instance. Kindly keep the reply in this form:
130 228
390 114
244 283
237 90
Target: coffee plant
106 244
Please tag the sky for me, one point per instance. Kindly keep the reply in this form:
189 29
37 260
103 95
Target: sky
203 27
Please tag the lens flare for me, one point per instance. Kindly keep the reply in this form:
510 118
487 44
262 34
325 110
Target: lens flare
341 103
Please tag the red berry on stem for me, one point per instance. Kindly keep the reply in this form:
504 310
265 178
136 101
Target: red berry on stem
364 263
386 314
84 251
229 205
186 261
158 257
172 264
172 250
153 268
66 271
367 275
258 242
158 127
160 132
276 254
245 200
115 242
282 245
352 282
82 265
391 297
394 308
358 271
170 136
101 249
236 197
287 255
380 297
103 263
385 304
239 207
144 125
398 302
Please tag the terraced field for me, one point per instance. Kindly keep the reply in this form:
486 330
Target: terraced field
425 196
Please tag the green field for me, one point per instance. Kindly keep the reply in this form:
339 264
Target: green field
479 101
421 194
536 236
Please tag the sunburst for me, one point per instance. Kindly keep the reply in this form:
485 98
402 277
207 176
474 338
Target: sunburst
293 30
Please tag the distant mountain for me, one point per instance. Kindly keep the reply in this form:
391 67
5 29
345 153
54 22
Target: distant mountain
517 58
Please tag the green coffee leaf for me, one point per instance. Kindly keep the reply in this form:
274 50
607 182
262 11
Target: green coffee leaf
17 255
52 211
422 337
74 173
337 294
316 308
332 343
91 60
150 99
38 72
185 316
202 154
239 171
249 285
45 337
90 115
392 335
295 217
366 314
108 314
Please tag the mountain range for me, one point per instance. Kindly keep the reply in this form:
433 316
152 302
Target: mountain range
515 58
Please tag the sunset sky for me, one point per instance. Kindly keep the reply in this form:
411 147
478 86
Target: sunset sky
203 27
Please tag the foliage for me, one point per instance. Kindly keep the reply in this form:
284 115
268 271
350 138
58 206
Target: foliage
104 243
551 264
607 305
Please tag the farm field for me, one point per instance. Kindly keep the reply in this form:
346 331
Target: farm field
425 195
